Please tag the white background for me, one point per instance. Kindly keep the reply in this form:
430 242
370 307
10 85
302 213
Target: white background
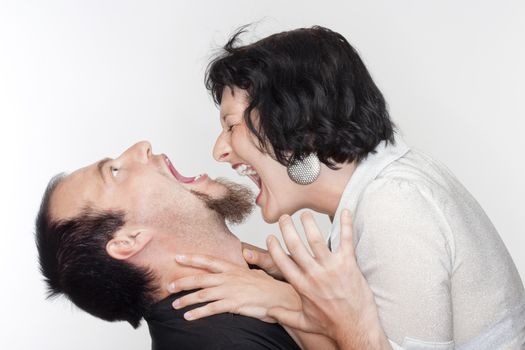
81 80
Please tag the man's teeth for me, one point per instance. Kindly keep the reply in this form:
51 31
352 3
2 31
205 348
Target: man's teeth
245 170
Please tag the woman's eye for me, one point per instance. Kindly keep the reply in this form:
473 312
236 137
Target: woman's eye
230 128
114 171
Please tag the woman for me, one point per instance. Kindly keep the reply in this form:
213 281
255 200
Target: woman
302 117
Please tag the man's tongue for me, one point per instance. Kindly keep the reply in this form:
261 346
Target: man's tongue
177 175
181 178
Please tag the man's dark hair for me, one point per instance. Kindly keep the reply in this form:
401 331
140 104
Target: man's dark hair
74 262
312 93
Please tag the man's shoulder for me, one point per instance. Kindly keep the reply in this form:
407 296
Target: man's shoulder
169 329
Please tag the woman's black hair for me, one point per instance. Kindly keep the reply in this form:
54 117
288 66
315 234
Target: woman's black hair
311 92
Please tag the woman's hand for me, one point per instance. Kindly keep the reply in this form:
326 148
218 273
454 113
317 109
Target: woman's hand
335 297
231 288
261 258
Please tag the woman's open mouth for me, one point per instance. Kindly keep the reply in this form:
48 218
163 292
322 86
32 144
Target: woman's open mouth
244 169
181 178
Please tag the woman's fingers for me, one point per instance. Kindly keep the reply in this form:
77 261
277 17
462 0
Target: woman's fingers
314 237
205 262
346 246
214 308
295 245
262 258
290 270
200 296
195 282
252 247
256 257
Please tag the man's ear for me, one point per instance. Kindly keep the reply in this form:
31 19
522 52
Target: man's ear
128 242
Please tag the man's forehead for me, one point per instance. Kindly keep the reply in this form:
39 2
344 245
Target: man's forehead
75 191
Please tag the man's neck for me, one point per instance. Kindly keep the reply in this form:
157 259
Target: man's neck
215 240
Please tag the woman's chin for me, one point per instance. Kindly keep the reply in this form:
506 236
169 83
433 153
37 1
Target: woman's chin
272 213
269 213
270 218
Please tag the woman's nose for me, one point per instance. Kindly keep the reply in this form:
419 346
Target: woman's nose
141 151
222 149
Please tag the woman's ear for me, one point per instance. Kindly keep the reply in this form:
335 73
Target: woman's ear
127 242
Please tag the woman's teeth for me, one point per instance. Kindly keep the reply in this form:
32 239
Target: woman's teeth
247 170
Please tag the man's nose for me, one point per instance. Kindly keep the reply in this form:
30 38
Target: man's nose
222 149
141 152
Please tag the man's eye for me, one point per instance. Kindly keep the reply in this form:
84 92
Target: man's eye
114 171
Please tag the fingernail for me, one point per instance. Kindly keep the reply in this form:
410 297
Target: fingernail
188 316
248 254
176 303
180 257
346 212
171 287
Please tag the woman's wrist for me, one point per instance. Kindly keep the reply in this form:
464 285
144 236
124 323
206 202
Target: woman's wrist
290 299
366 336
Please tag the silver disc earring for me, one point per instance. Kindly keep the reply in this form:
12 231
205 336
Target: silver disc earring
305 171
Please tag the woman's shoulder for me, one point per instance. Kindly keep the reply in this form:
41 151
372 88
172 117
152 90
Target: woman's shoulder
411 178
398 190
397 210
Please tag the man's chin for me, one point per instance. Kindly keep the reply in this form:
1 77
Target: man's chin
232 202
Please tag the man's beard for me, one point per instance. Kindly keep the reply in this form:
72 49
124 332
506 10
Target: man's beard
233 207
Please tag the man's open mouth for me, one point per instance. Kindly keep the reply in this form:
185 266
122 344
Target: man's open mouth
179 176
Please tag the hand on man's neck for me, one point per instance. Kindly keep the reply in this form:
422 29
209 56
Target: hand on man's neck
214 240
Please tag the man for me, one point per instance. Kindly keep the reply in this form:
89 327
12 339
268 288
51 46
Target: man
107 235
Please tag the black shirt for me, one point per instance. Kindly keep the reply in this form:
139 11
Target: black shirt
169 330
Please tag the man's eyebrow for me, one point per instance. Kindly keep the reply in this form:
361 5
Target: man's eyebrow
100 165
